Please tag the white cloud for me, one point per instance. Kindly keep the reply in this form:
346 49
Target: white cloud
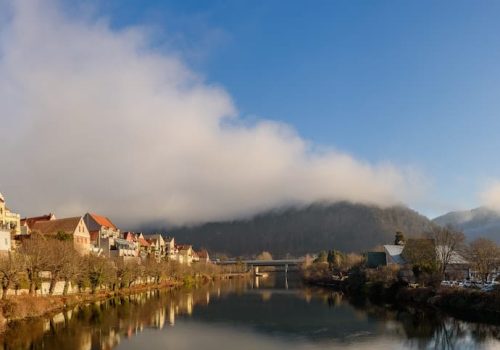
93 119
490 196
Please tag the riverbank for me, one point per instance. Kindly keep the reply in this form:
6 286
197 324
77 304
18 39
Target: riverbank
466 304
23 307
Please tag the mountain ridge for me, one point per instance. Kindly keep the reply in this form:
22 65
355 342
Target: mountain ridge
475 223
296 231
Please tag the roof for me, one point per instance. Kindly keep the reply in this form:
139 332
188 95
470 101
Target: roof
67 225
184 246
203 254
143 242
129 235
103 221
394 251
155 237
32 220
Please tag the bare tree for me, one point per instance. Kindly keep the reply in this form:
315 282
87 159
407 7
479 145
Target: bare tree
484 254
99 271
60 254
11 265
72 269
127 272
449 244
34 253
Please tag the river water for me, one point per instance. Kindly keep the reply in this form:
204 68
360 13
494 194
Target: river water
266 314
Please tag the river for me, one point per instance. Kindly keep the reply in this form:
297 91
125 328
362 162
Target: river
266 314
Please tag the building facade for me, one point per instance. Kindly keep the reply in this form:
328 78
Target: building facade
74 227
9 220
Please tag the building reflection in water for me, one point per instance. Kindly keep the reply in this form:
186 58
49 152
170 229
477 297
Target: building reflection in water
103 325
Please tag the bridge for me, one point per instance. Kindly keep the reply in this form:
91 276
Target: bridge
255 264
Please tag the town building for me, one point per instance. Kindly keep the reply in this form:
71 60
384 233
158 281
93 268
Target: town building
393 254
157 245
203 256
185 254
171 251
28 222
9 220
103 233
75 227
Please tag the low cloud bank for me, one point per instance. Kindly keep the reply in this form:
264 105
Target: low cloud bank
490 196
95 119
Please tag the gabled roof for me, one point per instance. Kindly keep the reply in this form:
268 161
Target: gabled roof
51 227
394 251
143 242
103 221
32 220
129 236
155 237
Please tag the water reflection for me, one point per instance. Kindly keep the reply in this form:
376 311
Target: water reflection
274 313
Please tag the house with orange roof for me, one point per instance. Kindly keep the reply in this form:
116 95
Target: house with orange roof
142 245
103 233
203 256
157 245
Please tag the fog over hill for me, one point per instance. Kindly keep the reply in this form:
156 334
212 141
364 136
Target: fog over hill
479 222
297 231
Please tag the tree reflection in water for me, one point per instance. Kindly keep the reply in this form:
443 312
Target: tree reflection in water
319 317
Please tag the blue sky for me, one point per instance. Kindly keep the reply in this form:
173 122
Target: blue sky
411 82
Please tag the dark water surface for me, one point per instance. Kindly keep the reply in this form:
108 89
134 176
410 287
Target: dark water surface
272 314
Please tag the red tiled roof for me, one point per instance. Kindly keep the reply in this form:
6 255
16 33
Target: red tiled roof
143 242
129 236
103 221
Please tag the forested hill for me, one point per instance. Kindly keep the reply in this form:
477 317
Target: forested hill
475 223
345 226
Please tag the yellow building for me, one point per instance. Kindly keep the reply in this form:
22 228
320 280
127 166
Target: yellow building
9 220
